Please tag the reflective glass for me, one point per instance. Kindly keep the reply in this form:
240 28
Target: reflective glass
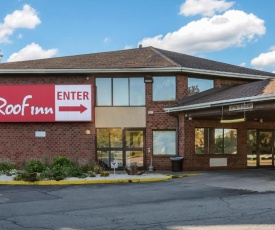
134 139
117 156
137 91
164 142
103 156
116 138
102 138
134 156
251 148
164 88
230 141
197 85
120 92
104 91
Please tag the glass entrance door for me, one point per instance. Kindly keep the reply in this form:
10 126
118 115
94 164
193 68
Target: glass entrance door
134 147
124 146
266 148
260 148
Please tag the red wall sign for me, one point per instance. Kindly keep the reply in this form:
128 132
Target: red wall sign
45 103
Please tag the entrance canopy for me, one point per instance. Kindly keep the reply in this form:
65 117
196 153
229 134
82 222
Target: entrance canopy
252 102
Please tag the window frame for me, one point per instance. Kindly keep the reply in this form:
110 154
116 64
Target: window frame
213 152
153 142
206 79
129 90
175 88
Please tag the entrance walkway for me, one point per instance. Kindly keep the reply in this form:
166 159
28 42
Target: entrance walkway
259 180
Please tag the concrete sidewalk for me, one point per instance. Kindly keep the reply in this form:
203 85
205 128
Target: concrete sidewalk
258 180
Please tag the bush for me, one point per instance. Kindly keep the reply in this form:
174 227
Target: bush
7 168
62 161
30 177
104 174
34 166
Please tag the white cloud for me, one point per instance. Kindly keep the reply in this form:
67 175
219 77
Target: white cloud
106 40
127 47
204 7
265 59
233 28
31 52
26 18
243 64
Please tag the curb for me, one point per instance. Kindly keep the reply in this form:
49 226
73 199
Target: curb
84 182
174 176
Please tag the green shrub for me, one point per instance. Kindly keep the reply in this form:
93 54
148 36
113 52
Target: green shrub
104 174
7 168
62 161
30 177
34 166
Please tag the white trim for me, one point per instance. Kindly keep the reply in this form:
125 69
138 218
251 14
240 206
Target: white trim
139 70
220 103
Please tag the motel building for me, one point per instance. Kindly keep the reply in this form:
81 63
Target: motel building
141 105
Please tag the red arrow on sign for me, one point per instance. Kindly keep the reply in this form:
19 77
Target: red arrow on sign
80 108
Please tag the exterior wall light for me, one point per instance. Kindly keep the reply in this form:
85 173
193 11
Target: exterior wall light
148 80
233 120
88 132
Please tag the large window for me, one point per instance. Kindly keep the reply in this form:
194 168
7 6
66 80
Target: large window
120 91
164 142
124 146
197 85
164 88
215 141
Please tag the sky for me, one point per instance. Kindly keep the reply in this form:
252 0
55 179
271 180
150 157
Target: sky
240 32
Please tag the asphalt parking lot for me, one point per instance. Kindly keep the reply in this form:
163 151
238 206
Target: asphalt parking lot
211 200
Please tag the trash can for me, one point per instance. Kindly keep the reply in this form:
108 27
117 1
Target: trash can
176 164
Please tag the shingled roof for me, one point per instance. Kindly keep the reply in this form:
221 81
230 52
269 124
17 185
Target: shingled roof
148 57
262 90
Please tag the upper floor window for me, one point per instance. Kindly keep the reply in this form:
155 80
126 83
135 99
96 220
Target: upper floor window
197 85
120 91
164 88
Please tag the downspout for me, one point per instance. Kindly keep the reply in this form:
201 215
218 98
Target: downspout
177 135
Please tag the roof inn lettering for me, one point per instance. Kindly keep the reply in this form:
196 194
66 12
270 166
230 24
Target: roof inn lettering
45 103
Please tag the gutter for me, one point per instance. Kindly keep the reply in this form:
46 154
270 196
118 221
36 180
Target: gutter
136 70
221 103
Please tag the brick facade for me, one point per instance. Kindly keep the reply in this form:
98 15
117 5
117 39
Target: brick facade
18 141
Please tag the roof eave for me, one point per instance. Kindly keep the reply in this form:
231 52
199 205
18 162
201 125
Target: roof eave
137 70
220 103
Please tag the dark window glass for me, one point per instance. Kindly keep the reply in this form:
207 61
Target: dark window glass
116 138
102 138
134 139
164 88
103 156
197 85
104 91
164 142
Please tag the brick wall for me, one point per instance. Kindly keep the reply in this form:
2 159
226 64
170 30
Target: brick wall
18 141
194 161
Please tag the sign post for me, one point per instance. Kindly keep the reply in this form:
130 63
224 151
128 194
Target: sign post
114 165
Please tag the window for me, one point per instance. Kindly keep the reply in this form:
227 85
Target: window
104 91
197 85
122 145
164 142
120 91
164 88
215 141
